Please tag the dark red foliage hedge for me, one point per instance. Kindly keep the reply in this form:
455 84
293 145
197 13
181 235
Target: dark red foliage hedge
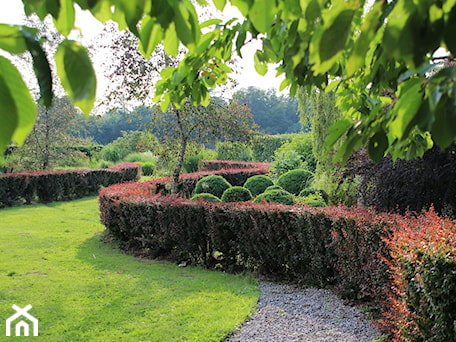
208 165
19 188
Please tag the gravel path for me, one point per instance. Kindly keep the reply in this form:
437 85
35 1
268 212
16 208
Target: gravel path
286 313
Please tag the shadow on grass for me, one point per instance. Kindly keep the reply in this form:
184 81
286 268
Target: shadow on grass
170 302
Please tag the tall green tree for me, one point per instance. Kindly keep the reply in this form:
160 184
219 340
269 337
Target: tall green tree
361 50
318 110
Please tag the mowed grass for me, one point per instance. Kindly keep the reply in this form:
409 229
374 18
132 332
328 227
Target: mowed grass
52 257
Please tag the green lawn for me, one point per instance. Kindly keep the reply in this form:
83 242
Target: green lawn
81 289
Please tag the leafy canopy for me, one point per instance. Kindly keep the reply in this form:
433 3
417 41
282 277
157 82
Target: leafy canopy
378 57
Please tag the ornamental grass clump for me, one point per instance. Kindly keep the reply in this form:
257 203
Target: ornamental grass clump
258 184
212 184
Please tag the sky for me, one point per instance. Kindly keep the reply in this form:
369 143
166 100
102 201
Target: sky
11 12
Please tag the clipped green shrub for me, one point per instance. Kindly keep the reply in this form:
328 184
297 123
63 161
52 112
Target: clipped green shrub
236 194
315 200
295 180
276 196
212 184
258 184
273 187
148 169
205 197
312 191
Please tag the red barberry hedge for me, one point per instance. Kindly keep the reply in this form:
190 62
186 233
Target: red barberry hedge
423 303
19 188
405 265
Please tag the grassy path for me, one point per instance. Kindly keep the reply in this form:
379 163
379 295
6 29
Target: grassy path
51 257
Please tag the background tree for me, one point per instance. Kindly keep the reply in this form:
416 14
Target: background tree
218 121
52 141
275 114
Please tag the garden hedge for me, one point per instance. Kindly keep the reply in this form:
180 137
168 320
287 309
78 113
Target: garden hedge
364 255
20 188
210 165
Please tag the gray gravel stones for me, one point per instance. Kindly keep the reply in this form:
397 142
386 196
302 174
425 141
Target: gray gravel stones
286 313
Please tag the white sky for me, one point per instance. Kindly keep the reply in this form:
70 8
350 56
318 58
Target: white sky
12 12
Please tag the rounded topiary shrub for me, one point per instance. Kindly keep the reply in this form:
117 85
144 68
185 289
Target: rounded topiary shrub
212 184
314 200
311 191
295 180
258 184
276 196
148 169
205 197
236 194
273 187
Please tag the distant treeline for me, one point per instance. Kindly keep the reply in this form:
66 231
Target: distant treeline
274 114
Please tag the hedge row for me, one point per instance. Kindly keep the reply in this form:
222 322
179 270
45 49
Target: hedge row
209 165
20 188
365 255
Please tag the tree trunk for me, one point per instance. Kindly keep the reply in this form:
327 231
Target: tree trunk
46 151
180 158
178 168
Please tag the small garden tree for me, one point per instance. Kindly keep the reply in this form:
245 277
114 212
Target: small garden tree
218 121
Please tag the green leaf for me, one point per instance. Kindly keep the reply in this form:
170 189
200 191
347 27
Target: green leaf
12 39
285 83
164 12
260 66
204 43
243 6
337 130
186 22
262 14
240 40
76 74
210 22
377 146
42 69
220 4
312 10
356 59
17 108
443 129
407 106
150 35
133 11
335 36
171 41
65 20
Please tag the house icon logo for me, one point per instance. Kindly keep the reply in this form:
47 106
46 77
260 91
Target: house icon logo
22 325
